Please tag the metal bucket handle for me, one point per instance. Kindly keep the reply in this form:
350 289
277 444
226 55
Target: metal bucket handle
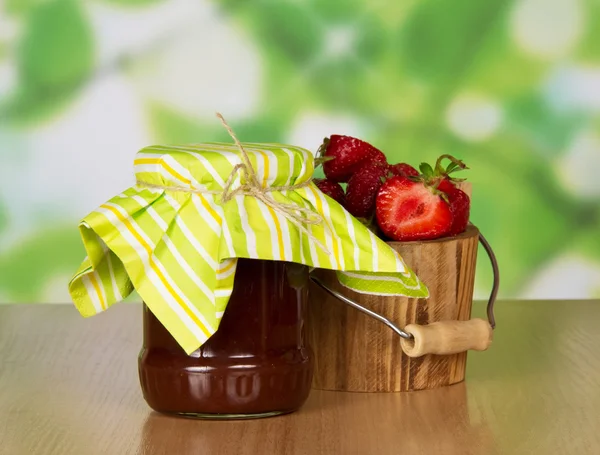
443 337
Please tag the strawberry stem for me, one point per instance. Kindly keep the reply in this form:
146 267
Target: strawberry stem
452 167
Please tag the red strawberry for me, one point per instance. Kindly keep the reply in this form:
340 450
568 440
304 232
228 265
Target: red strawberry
348 154
408 210
376 156
331 189
362 189
460 205
403 170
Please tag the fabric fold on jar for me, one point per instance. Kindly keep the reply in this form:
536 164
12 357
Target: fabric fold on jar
173 239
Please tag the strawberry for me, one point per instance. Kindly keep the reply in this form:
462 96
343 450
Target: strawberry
403 170
410 210
460 205
363 187
331 189
343 155
440 178
376 156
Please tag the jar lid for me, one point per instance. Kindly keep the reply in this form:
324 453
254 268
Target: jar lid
176 235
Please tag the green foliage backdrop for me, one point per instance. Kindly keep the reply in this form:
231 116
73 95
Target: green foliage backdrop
510 86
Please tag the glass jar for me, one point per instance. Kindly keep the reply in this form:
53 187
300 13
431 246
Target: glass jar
257 364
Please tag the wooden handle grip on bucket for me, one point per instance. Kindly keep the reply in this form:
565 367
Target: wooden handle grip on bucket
447 337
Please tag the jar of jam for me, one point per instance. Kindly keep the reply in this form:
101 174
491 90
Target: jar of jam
257 364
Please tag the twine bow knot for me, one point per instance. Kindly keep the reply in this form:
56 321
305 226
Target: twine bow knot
250 186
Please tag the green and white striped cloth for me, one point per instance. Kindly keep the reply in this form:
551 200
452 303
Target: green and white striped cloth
179 249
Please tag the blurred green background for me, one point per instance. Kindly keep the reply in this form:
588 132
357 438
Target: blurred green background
510 86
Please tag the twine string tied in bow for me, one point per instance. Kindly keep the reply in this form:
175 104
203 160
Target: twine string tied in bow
300 217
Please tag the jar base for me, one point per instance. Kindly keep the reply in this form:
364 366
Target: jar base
202 416
201 388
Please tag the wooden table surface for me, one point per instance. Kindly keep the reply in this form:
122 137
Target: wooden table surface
69 386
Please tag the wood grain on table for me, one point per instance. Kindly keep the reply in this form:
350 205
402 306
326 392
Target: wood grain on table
69 386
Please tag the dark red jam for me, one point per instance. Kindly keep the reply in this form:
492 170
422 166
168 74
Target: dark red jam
258 363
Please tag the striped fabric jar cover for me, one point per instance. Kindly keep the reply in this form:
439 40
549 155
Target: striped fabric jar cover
179 249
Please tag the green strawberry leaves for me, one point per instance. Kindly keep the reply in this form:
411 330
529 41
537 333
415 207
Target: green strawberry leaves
426 170
432 175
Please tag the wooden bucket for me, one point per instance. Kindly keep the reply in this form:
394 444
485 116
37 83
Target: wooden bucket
354 352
